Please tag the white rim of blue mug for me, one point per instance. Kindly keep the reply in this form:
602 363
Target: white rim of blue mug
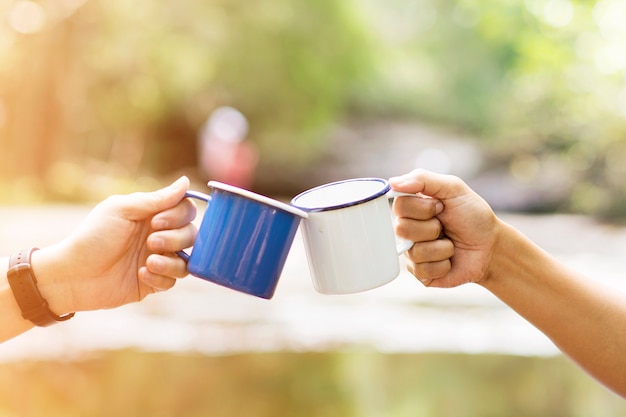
377 194
258 197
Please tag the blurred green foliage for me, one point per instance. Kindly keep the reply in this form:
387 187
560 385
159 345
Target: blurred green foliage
360 383
541 82
112 89
129 85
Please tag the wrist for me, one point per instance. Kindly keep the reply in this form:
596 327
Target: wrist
504 251
53 279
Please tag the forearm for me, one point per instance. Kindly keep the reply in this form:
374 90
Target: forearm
584 319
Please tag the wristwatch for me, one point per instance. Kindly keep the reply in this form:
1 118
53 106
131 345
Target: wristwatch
24 286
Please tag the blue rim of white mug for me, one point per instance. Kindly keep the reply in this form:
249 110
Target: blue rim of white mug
258 197
377 194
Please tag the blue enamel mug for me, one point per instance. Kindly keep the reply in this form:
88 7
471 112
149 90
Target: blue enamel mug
243 240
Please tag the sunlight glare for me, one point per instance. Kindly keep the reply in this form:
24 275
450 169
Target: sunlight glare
609 16
611 58
26 17
587 45
558 13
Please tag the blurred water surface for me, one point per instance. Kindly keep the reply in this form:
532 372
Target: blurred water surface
403 316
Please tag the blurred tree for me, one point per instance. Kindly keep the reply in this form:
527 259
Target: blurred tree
121 88
130 83
540 79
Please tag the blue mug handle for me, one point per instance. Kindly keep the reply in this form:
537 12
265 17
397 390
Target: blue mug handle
199 196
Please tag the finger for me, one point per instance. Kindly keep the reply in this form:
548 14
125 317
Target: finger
434 185
141 205
156 282
430 271
433 251
175 217
420 208
172 240
171 266
418 230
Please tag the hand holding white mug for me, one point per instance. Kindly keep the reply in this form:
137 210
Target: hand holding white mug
462 255
583 317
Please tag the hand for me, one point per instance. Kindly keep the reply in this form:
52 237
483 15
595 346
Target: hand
463 252
123 251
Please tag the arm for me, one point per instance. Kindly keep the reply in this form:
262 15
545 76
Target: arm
122 252
584 319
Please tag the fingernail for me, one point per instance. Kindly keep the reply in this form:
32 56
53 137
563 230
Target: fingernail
439 207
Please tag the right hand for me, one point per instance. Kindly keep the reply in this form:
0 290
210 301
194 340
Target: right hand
470 229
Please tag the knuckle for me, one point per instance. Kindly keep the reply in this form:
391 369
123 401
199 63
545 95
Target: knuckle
403 228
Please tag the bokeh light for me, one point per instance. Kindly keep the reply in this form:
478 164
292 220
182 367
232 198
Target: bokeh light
26 17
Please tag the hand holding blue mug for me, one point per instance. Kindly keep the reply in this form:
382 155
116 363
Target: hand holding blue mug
243 240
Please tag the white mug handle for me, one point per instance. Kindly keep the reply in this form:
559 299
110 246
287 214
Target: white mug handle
403 244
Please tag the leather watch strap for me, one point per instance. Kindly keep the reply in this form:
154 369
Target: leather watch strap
24 286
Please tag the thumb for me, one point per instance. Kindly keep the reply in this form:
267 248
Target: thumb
429 183
141 205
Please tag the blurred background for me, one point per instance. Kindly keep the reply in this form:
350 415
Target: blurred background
524 99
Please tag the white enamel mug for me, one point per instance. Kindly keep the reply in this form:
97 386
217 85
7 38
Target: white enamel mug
348 235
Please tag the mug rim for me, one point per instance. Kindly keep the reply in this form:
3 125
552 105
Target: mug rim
377 194
258 197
